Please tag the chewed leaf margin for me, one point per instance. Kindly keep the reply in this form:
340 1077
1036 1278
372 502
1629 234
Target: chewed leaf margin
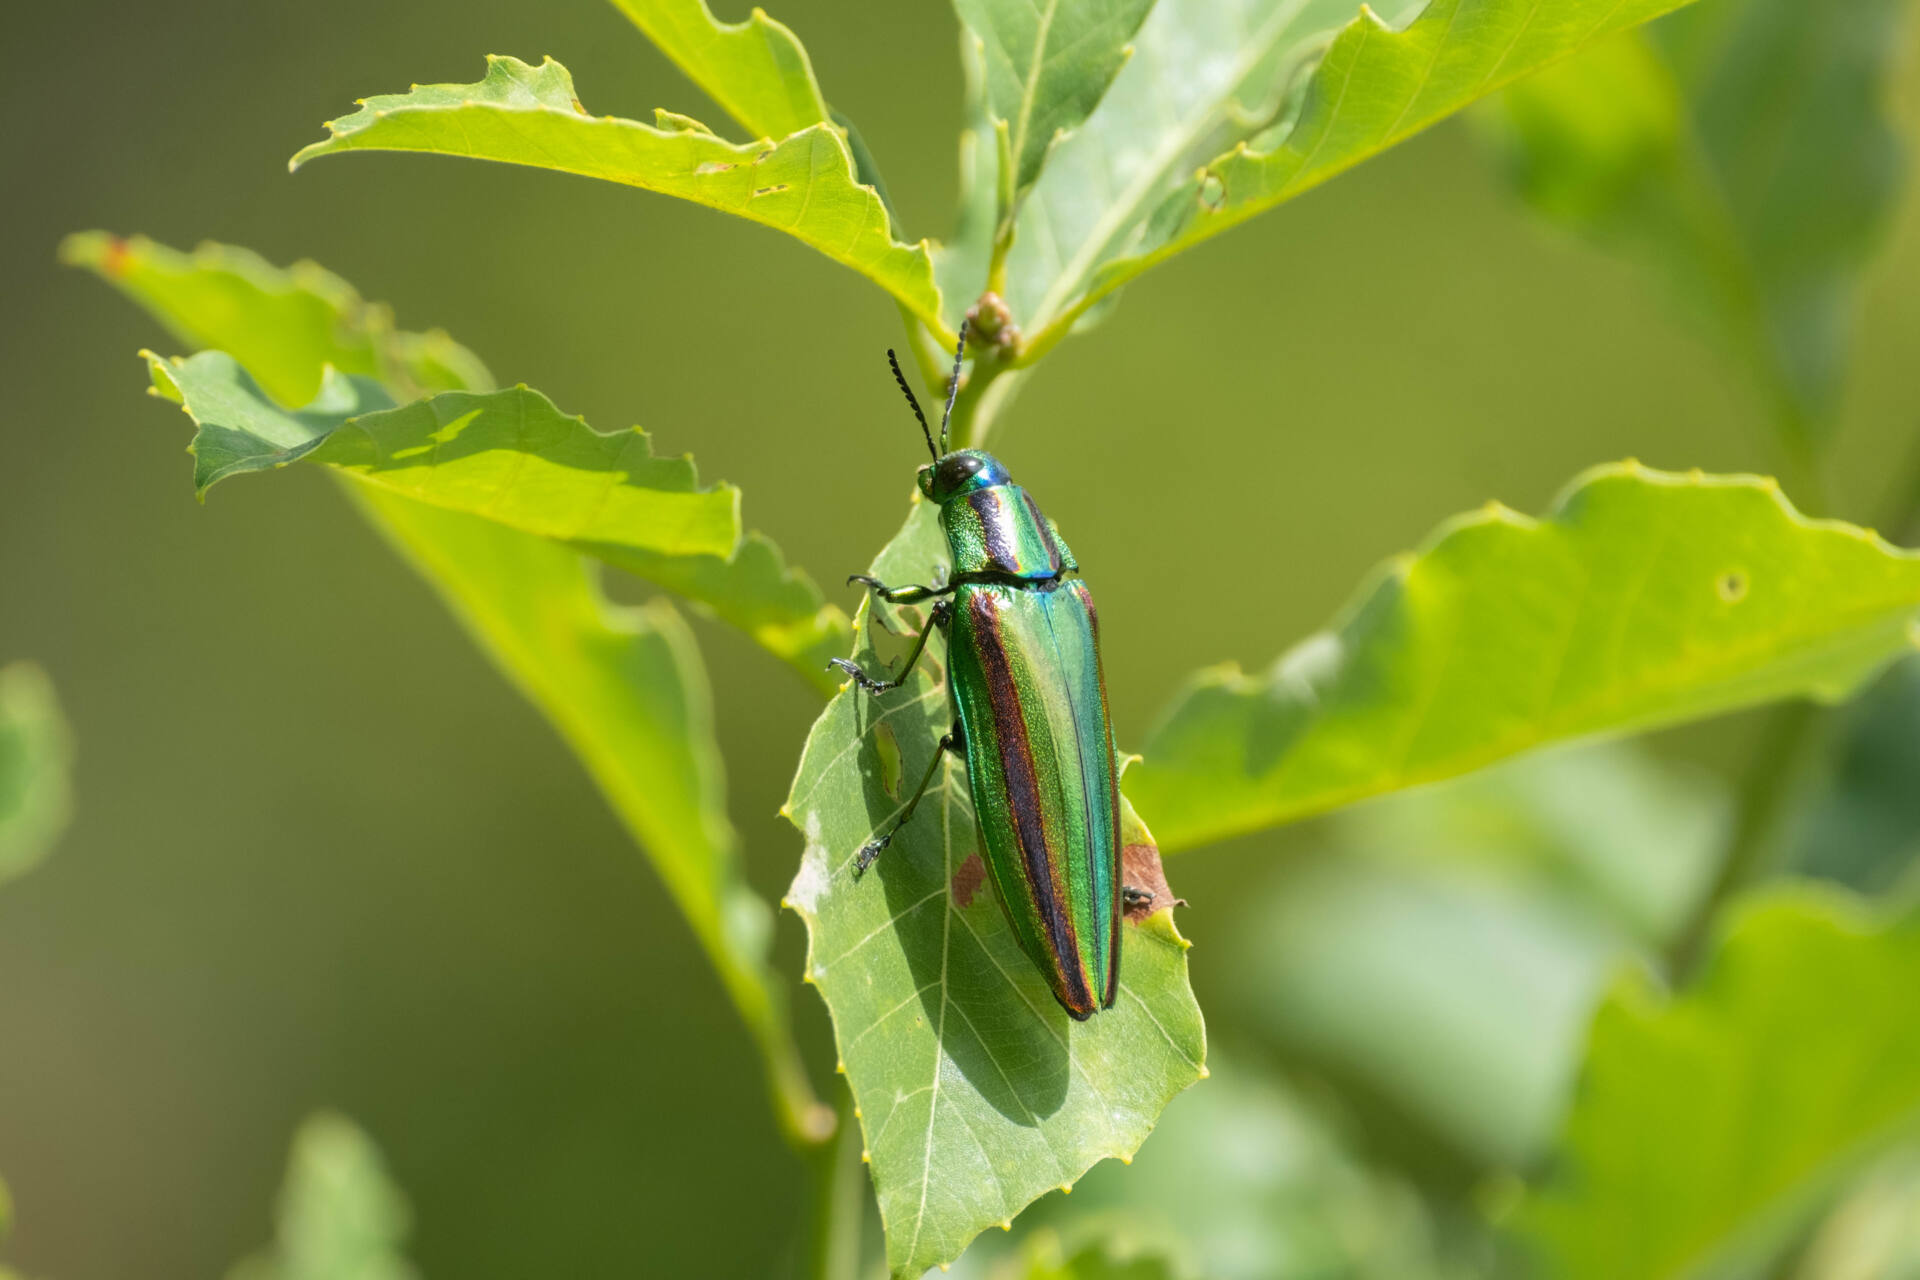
1603 617
805 184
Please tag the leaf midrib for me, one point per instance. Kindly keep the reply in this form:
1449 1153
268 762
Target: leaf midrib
1030 91
1126 209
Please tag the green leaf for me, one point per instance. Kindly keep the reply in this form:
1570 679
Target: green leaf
340 1217
1644 598
1047 64
976 1092
1374 88
962 260
531 605
1744 147
1709 1126
1204 75
36 756
284 325
520 114
756 70
516 459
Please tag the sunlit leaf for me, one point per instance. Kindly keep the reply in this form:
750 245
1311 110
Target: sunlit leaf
36 756
284 327
1047 64
1204 75
960 260
1643 598
625 688
284 324
756 70
339 1216
1744 147
1375 87
516 459
1708 1127
976 1092
803 185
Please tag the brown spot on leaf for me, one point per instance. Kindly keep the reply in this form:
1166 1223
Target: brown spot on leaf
968 879
1732 586
117 259
714 166
772 190
1140 869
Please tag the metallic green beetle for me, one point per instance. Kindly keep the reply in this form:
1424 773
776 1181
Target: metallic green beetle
1030 704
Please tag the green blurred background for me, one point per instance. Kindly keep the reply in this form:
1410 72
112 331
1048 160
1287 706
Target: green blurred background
324 857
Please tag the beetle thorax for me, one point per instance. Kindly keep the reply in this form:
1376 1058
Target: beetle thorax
998 529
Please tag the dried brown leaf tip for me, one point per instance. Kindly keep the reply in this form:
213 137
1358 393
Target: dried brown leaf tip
1140 869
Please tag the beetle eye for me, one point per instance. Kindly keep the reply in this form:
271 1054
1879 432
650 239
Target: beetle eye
956 470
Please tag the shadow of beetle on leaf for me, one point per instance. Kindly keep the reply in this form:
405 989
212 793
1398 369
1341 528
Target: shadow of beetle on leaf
990 1010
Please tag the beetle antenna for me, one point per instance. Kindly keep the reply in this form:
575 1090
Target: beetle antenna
953 384
907 391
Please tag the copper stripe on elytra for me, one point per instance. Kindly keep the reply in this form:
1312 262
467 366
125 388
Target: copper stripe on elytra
1023 798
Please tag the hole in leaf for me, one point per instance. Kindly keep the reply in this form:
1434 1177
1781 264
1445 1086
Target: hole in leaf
887 747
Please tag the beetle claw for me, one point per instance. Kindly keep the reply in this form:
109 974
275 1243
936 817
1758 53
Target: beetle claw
1133 897
860 677
869 852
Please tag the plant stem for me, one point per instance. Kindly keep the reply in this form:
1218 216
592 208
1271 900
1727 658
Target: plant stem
806 1122
1765 797
988 392
839 1201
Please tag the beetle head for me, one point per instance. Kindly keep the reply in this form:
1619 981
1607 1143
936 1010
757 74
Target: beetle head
962 471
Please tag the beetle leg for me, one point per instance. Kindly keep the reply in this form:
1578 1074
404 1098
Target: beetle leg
942 613
872 848
899 595
1132 897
